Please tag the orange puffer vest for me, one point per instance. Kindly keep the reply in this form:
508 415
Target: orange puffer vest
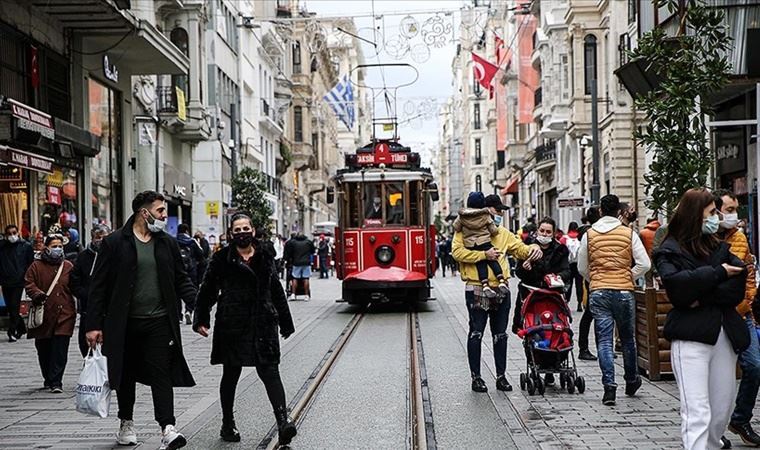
610 257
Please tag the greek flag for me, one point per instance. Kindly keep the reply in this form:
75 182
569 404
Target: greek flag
341 100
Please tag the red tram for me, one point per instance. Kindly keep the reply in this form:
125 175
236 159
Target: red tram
384 240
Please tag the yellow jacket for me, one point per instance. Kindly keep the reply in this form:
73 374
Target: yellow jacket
504 241
740 247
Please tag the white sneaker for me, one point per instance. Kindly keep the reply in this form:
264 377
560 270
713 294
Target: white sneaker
292 297
188 319
126 434
308 298
171 439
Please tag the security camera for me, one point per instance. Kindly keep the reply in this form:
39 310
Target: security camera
248 22
586 140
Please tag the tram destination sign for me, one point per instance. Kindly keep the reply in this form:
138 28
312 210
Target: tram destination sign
383 154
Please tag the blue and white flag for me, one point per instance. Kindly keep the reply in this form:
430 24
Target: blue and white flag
341 100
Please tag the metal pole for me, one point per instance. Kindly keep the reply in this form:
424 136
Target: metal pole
755 236
594 144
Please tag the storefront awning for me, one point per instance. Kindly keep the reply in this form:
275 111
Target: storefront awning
19 158
512 186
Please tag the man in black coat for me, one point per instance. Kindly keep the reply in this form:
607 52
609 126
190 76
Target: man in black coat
132 310
16 255
298 252
81 278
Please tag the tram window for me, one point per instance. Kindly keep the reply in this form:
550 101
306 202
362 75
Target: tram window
373 205
353 205
414 203
394 193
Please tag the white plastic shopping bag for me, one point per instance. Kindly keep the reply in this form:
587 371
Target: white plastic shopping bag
93 392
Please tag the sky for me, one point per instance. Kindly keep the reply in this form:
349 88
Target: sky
433 87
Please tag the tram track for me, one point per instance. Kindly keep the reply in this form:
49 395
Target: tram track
420 432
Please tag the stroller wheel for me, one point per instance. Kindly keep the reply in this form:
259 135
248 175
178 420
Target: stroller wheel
530 385
523 379
540 386
580 383
571 384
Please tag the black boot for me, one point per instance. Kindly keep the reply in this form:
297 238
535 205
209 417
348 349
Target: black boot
286 428
609 395
229 432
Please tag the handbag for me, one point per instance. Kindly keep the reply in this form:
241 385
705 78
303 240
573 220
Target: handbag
37 312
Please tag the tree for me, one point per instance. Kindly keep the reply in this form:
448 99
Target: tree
248 188
691 66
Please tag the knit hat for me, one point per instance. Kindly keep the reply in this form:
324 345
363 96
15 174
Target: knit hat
476 200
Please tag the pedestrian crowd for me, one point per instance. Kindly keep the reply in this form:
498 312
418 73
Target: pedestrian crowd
700 257
135 286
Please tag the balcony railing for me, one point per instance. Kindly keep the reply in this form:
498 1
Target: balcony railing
546 153
273 184
537 97
166 97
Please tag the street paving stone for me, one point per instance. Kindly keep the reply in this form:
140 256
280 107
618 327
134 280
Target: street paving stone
32 418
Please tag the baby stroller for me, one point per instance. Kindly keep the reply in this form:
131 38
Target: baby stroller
548 342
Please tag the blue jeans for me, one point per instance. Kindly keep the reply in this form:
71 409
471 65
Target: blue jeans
611 308
478 318
749 361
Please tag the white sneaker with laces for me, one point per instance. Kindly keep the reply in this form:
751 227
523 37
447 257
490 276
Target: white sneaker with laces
126 434
188 319
171 439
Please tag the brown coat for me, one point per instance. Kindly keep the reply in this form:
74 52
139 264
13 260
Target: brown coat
476 226
60 309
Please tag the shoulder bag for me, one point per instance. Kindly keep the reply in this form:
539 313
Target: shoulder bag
37 312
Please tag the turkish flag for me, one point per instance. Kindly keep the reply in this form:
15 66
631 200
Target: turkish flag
34 66
484 72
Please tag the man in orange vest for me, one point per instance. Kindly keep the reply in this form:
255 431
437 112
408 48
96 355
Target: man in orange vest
749 359
611 257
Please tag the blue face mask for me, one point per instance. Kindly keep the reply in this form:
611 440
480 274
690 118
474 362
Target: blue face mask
711 225
497 220
56 253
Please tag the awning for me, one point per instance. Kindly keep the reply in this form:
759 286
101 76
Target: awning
512 186
19 158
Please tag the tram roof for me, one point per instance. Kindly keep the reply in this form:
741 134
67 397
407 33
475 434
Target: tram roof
377 175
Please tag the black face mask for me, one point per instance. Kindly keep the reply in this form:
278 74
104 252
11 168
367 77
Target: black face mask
243 239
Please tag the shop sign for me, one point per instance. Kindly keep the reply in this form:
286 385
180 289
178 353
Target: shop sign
31 119
212 208
177 184
53 195
577 202
110 71
25 160
730 151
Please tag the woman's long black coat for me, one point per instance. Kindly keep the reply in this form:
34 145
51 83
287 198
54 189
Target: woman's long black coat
251 305
111 291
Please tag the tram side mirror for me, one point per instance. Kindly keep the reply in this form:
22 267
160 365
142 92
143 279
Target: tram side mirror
433 189
330 194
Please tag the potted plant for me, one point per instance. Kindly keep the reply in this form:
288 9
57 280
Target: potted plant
690 67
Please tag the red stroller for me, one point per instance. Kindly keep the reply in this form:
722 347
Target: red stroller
548 342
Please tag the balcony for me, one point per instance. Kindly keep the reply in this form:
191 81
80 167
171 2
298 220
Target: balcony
268 119
166 100
195 126
545 156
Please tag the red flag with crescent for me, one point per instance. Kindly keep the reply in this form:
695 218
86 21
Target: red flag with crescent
484 72
34 66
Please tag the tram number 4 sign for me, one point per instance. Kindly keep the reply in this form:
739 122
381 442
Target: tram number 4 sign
578 202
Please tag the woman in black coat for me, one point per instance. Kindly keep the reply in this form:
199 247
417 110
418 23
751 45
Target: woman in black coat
705 282
251 305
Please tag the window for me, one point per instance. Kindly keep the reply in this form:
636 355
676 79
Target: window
226 91
476 116
632 11
565 82
478 183
105 121
297 57
478 153
315 149
180 39
589 62
298 124
226 25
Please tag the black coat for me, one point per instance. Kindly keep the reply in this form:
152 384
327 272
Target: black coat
111 292
704 298
298 251
555 260
81 278
15 259
251 304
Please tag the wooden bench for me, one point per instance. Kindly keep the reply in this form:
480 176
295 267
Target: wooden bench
652 306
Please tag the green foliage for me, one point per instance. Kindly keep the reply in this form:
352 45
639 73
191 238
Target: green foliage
440 226
693 65
248 188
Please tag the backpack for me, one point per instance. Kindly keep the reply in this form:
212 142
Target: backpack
573 244
187 259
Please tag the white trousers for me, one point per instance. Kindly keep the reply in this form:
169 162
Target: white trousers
707 385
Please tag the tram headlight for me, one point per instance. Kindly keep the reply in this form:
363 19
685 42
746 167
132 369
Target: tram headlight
384 254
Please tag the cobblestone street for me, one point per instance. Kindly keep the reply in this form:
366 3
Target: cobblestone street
362 403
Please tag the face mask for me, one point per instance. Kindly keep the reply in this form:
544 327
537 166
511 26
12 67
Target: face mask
497 220
242 239
710 225
544 240
155 225
730 221
13 238
55 253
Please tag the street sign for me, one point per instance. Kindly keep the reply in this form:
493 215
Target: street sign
577 202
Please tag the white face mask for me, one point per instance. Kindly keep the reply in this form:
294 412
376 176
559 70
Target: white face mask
544 240
156 226
730 221
497 220
13 238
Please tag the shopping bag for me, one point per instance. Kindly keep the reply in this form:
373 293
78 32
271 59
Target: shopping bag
93 393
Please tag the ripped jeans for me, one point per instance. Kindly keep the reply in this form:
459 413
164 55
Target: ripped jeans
478 318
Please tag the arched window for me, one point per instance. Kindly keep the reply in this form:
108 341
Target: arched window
478 183
179 38
589 62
